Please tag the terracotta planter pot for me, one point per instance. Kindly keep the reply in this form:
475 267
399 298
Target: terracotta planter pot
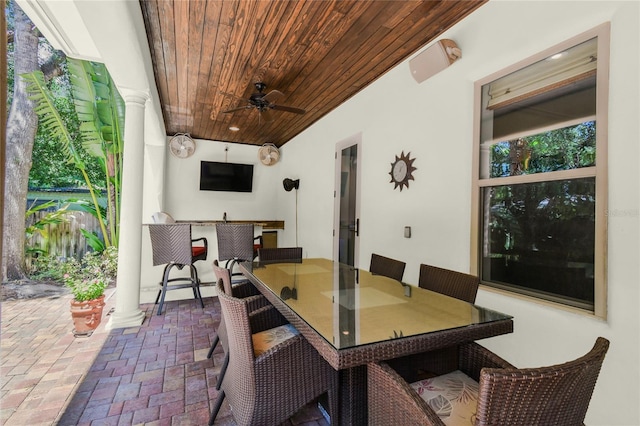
86 315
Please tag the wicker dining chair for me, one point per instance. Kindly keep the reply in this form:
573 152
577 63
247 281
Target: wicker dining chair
554 395
245 290
293 254
451 283
386 266
172 246
273 371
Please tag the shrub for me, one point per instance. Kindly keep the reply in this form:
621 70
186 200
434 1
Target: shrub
87 279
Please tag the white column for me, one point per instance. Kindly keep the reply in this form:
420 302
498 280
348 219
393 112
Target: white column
127 312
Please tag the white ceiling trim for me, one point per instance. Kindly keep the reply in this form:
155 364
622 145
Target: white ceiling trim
71 35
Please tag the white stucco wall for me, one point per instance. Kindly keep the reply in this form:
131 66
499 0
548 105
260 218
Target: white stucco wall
183 199
433 120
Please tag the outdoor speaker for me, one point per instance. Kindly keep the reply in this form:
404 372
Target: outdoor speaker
434 59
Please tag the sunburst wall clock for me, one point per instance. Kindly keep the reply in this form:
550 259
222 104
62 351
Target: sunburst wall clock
402 170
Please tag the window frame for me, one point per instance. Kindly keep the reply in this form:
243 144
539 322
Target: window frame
602 32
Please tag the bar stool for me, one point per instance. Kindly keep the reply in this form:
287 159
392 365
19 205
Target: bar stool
172 245
235 244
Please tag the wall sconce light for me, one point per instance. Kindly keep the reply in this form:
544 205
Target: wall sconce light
290 184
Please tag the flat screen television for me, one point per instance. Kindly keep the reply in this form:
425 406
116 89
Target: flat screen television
232 177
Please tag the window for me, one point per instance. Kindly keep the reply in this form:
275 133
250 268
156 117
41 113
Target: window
540 177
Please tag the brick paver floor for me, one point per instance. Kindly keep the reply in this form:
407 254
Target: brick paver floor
155 374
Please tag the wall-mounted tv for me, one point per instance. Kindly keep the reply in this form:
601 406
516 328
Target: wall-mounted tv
233 177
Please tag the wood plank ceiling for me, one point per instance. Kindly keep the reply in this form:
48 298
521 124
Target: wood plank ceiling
207 56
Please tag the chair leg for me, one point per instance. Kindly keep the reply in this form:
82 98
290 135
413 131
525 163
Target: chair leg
196 285
216 408
213 346
223 370
194 280
165 280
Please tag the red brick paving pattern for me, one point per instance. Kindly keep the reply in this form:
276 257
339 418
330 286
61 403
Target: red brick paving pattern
155 374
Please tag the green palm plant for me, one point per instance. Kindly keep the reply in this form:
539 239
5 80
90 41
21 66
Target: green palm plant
100 111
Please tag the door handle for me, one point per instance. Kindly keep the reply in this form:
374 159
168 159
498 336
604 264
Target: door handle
355 227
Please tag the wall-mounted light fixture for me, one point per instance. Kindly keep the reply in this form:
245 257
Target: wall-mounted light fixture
290 184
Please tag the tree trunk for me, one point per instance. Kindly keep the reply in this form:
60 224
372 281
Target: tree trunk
3 113
21 130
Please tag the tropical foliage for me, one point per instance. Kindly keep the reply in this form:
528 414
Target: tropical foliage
544 229
50 168
87 279
561 149
100 112
42 225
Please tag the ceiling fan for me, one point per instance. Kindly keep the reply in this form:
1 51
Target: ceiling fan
265 102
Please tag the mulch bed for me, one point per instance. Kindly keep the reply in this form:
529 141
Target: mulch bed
31 289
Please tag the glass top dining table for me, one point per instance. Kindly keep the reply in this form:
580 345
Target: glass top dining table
351 308
352 317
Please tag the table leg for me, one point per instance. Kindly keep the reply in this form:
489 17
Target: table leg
352 385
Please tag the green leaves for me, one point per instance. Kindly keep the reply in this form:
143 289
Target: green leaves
89 82
84 94
94 241
41 226
101 112
49 117
99 106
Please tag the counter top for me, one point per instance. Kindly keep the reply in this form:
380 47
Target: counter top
266 224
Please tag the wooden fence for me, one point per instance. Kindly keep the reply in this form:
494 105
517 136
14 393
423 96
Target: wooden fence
63 239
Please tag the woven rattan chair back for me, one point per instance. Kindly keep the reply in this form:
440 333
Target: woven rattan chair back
243 290
280 254
223 274
555 395
171 243
386 266
241 368
235 241
270 388
393 401
451 283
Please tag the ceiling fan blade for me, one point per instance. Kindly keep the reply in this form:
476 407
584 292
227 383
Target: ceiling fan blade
237 109
273 96
266 115
288 109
